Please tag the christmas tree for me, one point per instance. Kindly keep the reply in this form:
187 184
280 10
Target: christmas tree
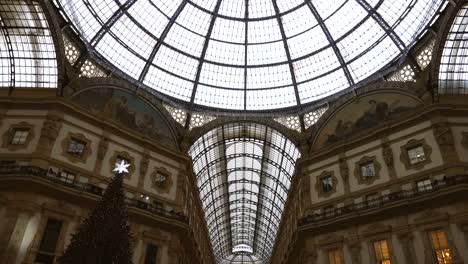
104 237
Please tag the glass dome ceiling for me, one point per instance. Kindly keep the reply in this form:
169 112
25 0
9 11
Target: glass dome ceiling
249 54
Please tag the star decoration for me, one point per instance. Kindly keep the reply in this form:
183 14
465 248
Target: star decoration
121 167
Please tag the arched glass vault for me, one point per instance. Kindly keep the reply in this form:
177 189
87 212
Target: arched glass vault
244 171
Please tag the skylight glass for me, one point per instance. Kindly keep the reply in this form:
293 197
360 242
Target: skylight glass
244 172
250 55
453 72
27 51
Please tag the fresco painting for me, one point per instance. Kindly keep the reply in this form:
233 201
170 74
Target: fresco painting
128 110
367 112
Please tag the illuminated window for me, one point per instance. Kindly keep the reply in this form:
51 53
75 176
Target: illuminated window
382 253
19 136
368 169
416 155
76 147
326 183
424 185
334 256
440 247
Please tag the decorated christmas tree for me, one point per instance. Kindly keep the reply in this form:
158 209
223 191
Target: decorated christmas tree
104 237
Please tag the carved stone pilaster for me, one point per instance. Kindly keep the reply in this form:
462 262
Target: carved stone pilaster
143 169
406 241
101 153
2 115
49 133
9 222
464 228
344 173
387 153
355 251
16 237
444 138
304 186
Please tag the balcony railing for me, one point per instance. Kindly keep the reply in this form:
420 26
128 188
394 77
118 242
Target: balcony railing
26 171
384 200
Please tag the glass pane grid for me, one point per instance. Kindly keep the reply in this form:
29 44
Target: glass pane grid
453 64
241 194
245 50
34 59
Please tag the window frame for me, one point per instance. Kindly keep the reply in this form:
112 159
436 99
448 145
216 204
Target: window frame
365 160
435 250
76 157
377 259
318 184
10 133
411 144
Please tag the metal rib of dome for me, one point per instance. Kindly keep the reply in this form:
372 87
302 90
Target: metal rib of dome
249 55
244 171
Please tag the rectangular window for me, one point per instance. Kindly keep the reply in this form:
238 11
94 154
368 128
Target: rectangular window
326 183
334 256
76 147
368 169
382 253
19 136
329 210
67 177
48 245
440 247
151 254
424 185
372 199
416 155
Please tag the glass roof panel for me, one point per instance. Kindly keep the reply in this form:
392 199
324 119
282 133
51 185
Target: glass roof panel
27 50
232 8
453 71
312 38
244 160
341 22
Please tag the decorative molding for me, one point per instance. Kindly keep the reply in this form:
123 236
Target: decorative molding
101 153
368 180
464 141
354 247
387 153
344 170
49 133
161 186
143 168
8 136
125 155
413 143
318 184
444 138
83 156
406 240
